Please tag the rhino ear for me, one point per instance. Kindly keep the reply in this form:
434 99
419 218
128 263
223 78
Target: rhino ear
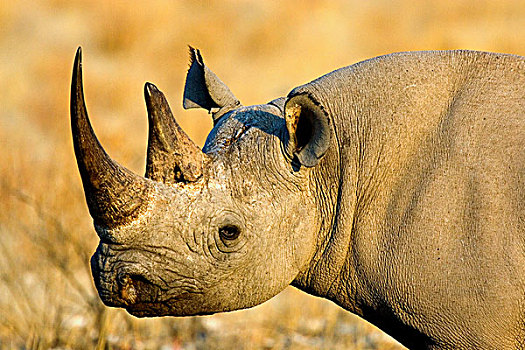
204 89
308 128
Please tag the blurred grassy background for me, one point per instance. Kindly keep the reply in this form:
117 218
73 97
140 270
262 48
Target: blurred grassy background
261 49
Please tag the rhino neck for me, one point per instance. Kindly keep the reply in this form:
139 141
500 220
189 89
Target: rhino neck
334 182
382 124
396 125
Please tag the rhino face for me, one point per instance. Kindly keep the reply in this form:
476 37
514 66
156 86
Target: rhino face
205 231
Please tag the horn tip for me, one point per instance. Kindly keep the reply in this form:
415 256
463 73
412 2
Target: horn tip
78 55
77 67
150 89
77 93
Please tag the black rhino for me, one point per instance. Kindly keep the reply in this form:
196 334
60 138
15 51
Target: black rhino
394 187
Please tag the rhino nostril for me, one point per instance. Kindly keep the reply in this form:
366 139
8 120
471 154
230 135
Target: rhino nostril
128 291
123 279
133 287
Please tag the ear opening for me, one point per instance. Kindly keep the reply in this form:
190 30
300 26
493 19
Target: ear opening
305 128
308 128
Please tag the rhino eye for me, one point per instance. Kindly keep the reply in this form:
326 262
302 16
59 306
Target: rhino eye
229 232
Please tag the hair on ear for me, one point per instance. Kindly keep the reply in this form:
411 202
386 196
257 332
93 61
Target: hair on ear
204 89
308 128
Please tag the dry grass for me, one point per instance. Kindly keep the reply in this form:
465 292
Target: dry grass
262 49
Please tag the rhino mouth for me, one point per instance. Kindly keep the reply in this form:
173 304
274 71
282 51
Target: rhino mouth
142 298
123 284
119 284
137 294
127 290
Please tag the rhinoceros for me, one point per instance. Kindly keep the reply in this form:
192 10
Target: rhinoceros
394 187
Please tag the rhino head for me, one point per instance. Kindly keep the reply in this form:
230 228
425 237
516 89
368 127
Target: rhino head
218 229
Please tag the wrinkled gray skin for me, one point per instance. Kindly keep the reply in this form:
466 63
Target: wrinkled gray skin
394 187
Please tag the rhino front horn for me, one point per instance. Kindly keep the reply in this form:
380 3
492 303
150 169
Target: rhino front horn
114 194
172 155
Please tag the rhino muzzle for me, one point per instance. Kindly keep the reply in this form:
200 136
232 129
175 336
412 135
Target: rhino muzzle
122 281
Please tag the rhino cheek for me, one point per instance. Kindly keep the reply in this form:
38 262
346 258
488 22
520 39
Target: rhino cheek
304 236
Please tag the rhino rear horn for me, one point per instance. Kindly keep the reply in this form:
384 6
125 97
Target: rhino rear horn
204 89
172 155
114 194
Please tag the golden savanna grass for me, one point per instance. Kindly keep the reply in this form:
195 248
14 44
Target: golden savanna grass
261 49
